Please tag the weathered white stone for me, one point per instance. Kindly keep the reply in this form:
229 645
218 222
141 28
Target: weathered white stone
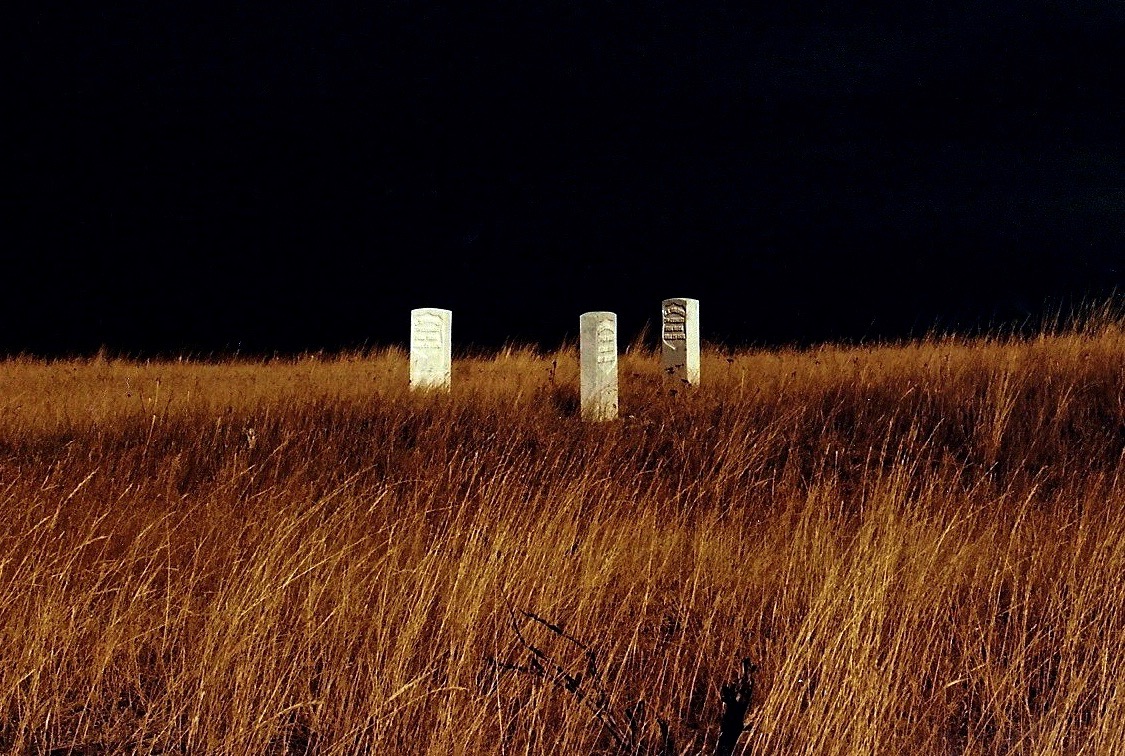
679 353
598 355
431 356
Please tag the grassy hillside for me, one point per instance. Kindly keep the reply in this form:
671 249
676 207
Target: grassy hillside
920 547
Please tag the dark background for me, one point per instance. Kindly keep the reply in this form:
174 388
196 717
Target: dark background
297 176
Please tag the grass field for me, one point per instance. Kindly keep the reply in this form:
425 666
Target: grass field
921 547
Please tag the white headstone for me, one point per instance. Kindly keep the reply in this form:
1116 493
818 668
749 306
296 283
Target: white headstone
679 353
431 357
598 355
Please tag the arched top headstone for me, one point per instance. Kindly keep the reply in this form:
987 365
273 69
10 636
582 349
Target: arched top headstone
431 356
679 340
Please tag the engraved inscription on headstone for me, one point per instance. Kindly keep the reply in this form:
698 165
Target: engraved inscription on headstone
431 362
598 356
679 353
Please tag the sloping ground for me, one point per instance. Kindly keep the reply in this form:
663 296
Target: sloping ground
919 546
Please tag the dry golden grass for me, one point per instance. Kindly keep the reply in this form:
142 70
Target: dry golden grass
921 547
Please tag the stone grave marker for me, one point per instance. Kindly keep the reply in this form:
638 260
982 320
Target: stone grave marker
431 356
598 356
679 353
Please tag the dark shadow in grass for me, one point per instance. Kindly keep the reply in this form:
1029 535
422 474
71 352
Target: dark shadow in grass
635 731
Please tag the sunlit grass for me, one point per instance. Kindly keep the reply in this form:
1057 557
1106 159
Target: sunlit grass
921 546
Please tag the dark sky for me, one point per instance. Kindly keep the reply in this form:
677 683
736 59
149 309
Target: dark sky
297 176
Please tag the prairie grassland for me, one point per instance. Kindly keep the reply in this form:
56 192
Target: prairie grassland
921 547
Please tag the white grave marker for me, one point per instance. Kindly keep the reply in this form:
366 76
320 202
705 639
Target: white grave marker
598 355
431 360
679 354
